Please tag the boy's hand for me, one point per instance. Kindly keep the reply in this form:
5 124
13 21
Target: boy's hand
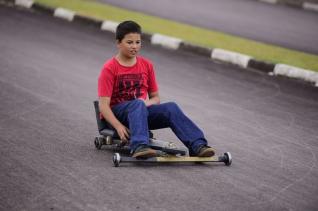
147 103
123 132
153 99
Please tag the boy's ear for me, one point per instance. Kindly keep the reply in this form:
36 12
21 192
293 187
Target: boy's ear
118 43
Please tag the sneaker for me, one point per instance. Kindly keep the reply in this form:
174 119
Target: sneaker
144 152
206 151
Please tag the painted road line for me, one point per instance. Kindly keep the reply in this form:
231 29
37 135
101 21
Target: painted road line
166 41
230 57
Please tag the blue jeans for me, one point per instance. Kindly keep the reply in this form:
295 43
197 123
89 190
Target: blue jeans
140 119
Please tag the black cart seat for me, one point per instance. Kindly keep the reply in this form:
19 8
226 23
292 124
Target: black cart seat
104 128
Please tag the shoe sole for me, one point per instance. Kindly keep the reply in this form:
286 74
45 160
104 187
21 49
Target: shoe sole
145 154
207 153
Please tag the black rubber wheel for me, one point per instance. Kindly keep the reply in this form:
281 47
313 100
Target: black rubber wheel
98 143
116 159
228 158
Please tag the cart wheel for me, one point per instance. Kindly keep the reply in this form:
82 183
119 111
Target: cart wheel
109 140
228 158
116 159
98 143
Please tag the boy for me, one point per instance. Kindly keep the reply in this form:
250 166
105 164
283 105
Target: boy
129 99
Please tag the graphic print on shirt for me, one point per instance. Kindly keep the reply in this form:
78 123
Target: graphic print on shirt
127 87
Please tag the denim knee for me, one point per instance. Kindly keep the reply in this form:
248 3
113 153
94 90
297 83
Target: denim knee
172 108
137 104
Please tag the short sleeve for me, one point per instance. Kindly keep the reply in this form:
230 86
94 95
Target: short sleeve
152 83
105 82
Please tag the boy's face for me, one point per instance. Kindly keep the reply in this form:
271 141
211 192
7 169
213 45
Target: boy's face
130 45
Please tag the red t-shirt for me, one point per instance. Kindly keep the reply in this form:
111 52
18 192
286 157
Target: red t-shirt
122 83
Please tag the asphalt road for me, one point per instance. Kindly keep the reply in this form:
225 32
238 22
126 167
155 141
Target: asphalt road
48 79
274 24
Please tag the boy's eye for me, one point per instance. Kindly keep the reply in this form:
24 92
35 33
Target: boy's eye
131 42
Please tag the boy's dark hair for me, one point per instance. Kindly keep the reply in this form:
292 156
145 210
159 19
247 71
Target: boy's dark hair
127 27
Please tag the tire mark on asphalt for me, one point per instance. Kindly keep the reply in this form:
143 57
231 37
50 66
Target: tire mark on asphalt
45 100
282 190
265 132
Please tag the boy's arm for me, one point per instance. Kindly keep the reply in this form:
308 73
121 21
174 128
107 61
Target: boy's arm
153 99
104 107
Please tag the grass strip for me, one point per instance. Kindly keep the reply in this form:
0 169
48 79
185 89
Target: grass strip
190 34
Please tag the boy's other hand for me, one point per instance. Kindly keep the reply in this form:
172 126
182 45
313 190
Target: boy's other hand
147 103
153 99
123 132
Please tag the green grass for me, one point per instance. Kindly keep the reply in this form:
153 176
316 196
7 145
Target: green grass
190 34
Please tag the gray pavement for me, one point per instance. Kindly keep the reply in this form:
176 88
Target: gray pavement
274 24
48 79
